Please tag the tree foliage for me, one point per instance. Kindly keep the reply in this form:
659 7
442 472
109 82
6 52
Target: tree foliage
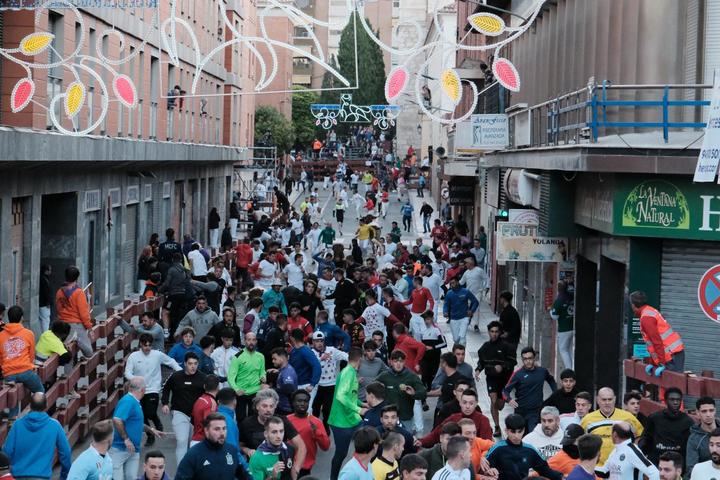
269 119
371 71
302 119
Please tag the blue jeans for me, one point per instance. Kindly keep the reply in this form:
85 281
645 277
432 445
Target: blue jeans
343 438
30 380
426 223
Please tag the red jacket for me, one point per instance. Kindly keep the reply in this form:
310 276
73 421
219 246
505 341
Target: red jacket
413 350
482 424
420 298
312 431
302 324
204 406
243 255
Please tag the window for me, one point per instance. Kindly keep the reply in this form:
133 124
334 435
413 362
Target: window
154 94
55 75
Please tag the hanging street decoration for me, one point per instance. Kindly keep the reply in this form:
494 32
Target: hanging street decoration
328 116
40 45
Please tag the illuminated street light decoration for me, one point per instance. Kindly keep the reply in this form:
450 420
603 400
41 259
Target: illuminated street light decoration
125 92
329 115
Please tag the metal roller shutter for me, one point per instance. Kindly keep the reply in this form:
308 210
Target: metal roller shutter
130 250
683 263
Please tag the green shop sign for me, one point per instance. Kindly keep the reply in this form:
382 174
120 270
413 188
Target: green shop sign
666 207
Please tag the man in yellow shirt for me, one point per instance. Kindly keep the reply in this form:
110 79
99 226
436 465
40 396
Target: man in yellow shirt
601 421
385 465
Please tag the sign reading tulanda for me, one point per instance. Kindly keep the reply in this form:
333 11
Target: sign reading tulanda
656 204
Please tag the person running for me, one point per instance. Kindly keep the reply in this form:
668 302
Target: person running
339 213
528 382
626 461
179 393
459 307
329 358
147 363
310 429
513 458
496 358
402 387
407 210
420 301
346 412
246 375
366 440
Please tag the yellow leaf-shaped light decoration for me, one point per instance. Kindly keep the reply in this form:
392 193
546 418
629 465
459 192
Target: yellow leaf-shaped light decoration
450 82
36 43
487 24
74 98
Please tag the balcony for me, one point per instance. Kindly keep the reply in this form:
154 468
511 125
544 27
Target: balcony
604 114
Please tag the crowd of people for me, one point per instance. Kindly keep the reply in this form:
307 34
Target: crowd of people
286 345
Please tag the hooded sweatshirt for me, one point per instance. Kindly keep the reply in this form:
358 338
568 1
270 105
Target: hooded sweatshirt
666 432
202 322
393 394
28 446
17 349
265 458
547 446
71 305
698 448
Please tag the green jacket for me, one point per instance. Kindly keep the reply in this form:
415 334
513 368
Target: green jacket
345 411
392 381
246 372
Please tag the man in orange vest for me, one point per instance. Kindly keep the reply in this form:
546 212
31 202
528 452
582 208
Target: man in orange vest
664 345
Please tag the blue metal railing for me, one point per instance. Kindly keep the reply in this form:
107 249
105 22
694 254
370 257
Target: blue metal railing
586 114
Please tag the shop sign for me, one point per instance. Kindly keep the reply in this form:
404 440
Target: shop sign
594 204
709 156
666 208
517 242
482 132
461 191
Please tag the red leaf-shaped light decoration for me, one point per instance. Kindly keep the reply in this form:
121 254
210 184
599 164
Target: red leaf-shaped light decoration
22 94
506 74
124 89
396 83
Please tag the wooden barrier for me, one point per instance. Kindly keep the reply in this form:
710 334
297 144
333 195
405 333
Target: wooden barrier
689 383
79 414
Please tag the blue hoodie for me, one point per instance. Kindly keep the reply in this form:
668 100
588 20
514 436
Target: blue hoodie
306 365
178 351
334 336
29 443
233 434
457 303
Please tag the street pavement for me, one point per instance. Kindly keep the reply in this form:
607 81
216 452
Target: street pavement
474 339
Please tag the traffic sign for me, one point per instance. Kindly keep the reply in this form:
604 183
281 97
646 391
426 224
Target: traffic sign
709 293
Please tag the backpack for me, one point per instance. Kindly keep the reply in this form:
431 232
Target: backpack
264 330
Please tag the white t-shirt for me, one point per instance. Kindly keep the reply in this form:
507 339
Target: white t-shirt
433 283
295 275
705 471
297 226
475 280
198 263
267 273
375 316
447 473
327 287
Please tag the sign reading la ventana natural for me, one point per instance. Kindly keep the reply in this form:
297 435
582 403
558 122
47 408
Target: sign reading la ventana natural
666 207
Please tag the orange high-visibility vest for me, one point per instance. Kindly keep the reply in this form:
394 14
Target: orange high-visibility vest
672 343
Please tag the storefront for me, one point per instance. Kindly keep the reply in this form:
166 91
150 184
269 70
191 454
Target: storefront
669 227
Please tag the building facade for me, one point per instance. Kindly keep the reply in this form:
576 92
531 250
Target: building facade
590 164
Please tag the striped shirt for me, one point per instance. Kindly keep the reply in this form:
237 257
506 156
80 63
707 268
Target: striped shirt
447 473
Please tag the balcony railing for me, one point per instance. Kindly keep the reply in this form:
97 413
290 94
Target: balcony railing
597 111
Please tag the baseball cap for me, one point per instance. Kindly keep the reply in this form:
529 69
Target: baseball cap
318 335
572 433
276 281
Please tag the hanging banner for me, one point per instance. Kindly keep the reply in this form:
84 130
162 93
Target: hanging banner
517 242
709 157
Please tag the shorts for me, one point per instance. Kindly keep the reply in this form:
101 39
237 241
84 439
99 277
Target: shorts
496 384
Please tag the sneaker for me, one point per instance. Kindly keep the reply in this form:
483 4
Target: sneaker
166 333
425 407
150 441
497 432
73 395
476 328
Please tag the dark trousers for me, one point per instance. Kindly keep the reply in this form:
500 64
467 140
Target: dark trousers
149 405
531 417
178 309
343 438
323 402
677 363
406 223
244 407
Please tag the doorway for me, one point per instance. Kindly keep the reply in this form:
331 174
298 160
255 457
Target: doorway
58 239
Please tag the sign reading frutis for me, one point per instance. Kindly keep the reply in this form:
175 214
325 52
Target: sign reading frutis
666 207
